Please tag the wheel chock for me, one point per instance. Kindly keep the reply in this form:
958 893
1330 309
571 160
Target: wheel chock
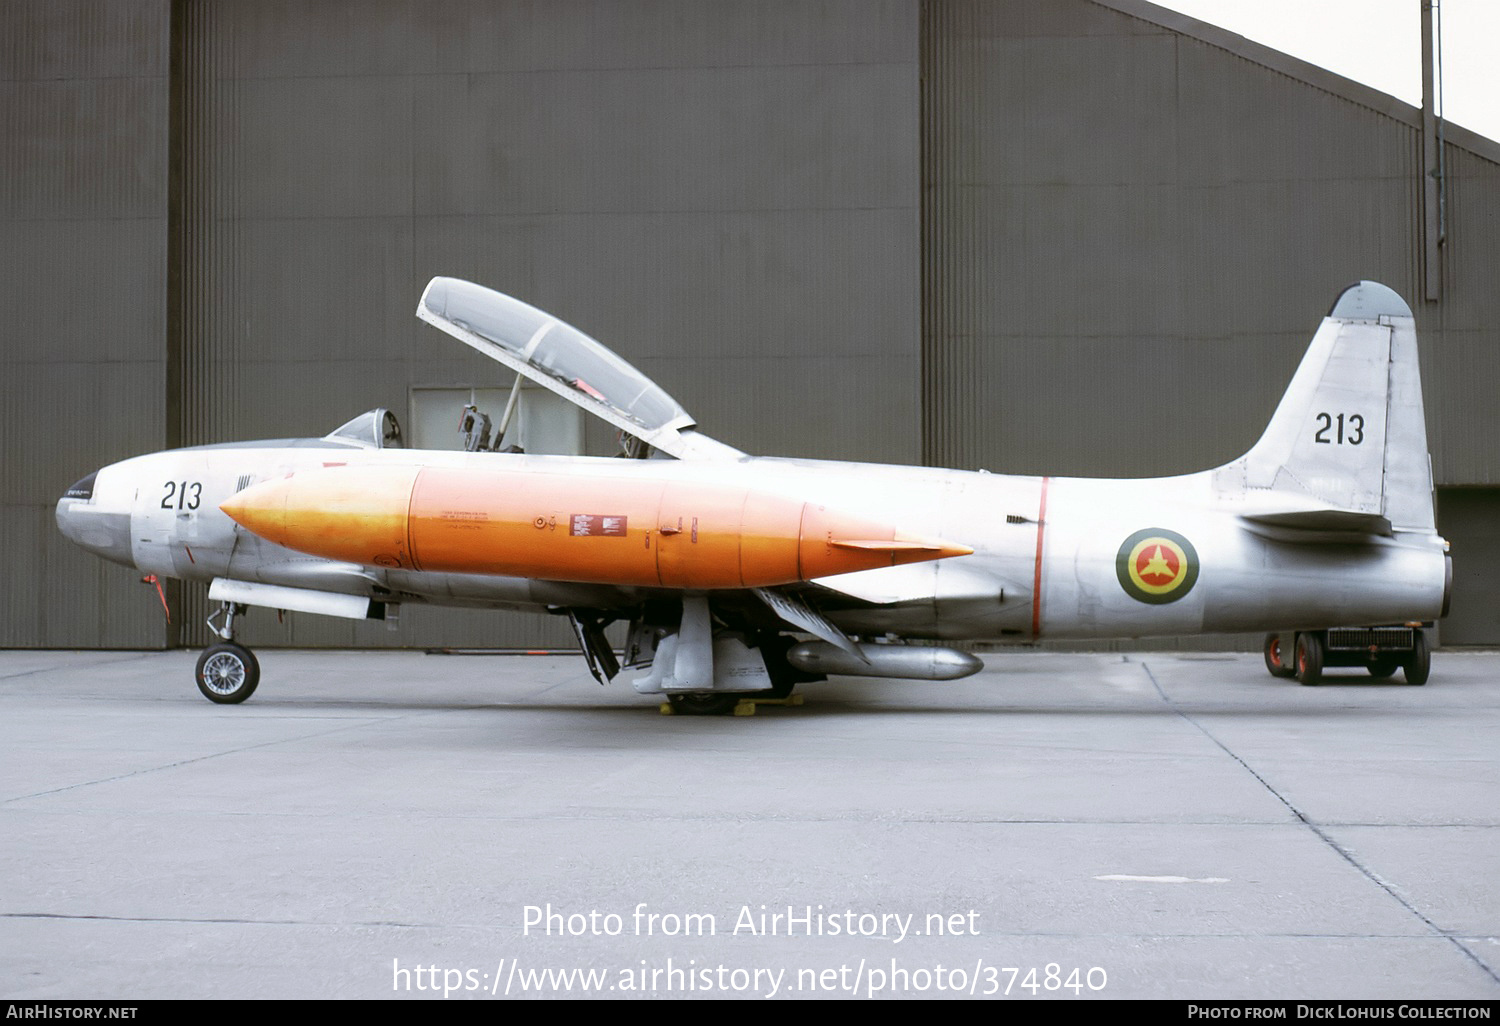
744 707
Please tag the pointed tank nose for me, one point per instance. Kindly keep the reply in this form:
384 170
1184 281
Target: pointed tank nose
88 521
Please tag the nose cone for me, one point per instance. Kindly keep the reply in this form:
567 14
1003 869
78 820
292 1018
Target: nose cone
354 514
261 509
89 522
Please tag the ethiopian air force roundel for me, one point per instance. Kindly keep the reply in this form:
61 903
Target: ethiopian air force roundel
1157 566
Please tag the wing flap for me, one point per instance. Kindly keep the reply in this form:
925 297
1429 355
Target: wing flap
802 616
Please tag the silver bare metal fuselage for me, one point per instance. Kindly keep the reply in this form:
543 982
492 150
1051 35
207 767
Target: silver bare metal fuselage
1046 563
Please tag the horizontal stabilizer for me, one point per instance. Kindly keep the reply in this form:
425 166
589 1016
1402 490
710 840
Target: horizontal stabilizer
1335 520
1303 518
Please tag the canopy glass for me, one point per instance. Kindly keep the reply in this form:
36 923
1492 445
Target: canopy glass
589 370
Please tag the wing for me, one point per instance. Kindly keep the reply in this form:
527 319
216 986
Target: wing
564 360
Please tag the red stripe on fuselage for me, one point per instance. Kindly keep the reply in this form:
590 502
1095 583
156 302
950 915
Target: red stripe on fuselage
1036 581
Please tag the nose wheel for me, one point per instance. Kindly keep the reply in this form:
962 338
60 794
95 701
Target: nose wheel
227 672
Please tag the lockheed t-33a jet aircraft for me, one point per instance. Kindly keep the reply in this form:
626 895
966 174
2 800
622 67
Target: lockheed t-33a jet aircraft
743 576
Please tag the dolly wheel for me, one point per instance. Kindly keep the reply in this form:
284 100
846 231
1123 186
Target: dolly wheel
1276 657
1419 663
1310 658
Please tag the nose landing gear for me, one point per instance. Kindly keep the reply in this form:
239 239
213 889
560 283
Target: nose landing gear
227 672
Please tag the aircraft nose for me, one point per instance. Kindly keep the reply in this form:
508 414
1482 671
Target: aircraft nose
88 523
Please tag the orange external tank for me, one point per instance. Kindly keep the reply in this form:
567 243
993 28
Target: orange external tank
626 529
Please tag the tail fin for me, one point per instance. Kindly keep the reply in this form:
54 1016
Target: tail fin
1347 446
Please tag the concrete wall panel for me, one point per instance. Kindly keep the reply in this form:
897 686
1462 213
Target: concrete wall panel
82 289
321 147
346 278
48 40
83 148
1079 110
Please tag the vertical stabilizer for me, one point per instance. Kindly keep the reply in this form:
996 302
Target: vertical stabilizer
1349 437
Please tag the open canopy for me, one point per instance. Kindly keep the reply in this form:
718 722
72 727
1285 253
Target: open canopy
565 360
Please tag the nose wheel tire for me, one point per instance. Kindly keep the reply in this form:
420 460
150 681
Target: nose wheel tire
227 673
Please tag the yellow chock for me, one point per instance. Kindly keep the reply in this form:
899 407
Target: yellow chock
744 707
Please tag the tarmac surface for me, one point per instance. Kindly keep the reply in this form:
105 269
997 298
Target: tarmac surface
1060 826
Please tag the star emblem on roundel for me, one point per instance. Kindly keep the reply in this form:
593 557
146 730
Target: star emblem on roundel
1156 566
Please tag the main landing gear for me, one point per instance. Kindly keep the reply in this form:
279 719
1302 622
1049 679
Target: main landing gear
227 672
1380 650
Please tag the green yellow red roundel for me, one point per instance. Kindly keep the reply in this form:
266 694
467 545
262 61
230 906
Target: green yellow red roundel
1157 566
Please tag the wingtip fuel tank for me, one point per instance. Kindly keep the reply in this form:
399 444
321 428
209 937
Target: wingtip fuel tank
635 529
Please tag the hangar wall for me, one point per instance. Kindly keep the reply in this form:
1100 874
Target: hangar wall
1071 237
83 235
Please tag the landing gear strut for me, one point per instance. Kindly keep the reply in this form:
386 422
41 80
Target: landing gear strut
227 673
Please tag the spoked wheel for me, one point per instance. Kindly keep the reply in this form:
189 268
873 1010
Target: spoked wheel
1276 657
1310 658
227 673
704 703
